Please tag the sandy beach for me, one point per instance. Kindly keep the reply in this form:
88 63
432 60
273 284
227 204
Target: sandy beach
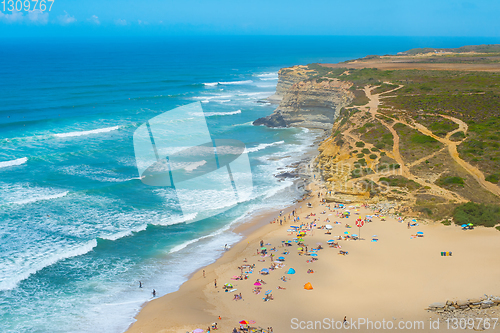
392 279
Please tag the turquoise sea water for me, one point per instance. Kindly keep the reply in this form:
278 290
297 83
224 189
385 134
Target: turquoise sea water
78 229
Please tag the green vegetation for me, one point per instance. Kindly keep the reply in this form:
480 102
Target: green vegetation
360 144
446 222
422 139
400 181
447 181
383 88
359 98
387 167
359 172
493 178
373 156
478 214
366 151
458 136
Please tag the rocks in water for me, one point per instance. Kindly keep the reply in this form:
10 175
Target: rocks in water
274 120
472 304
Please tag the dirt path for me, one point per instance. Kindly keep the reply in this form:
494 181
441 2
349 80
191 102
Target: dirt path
372 107
452 149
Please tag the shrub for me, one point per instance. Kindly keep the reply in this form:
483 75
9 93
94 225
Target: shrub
451 181
478 214
493 178
360 144
366 151
373 156
422 139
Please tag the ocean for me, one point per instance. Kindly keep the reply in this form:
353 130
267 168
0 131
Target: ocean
78 229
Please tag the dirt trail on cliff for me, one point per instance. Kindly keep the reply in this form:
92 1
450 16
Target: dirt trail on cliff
372 107
452 149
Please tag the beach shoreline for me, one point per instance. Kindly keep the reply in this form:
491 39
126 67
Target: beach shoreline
404 272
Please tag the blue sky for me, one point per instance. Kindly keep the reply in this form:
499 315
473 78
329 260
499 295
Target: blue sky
256 17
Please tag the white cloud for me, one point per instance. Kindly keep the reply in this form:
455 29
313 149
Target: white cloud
38 17
94 19
12 18
66 19
120 22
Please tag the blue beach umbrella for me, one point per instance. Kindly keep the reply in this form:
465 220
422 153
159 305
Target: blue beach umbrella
420 233
464 225
314 255
291 271
281 258
331 241
265 270
268 292
354 235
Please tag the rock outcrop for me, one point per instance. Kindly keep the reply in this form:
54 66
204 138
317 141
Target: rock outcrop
286 78
310 103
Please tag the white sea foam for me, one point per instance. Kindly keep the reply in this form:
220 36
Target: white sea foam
271 74
82 133
264 146
41 198
236 82
124 233
268 78
210 114
22 272
171 220
211 84
19 161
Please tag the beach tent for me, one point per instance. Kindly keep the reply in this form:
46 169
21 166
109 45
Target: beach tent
291 271
308 286
328 226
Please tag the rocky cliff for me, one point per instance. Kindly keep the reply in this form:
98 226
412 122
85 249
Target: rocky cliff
286 78
309 103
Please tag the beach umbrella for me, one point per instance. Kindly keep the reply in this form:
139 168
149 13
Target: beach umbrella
354 235
328 226
268 292
346 232
414 220
374 236
299 249
257 284
308 286
300 240
420 233
244 322
251 321
464 225
470 224
198 330
264 270
291 271
294 226
290 230
314 255
331 241
229 285
263 248
281 258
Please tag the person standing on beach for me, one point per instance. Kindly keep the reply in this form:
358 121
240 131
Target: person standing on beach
261 243
154 293
215 283
140 284
204 274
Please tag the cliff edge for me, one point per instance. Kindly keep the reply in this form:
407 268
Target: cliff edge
310 103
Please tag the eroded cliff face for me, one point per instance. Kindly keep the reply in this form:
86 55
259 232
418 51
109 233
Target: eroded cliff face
309 103
286 78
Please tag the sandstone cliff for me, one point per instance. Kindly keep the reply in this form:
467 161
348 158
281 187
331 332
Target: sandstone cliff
309 103
286 78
